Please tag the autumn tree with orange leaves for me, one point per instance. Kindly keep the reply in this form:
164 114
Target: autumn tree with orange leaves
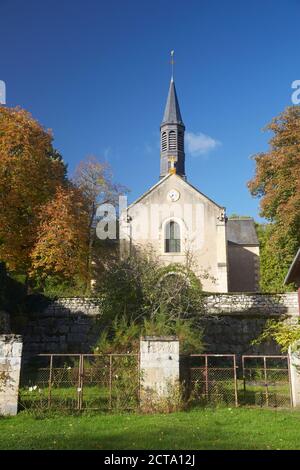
48 223
61 248
277 184
30 172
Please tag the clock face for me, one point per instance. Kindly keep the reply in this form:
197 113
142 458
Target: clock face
173 195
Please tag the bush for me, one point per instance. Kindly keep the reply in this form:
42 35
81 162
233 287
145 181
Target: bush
139 287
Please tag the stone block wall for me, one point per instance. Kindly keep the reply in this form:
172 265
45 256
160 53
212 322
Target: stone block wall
10 366
4 322
64 326
252 303
230 323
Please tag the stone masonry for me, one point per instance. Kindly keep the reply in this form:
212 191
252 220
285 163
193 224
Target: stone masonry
159 364
230 323
10 366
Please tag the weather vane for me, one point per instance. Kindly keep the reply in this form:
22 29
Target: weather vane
172 64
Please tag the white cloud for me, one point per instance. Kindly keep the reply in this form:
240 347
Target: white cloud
199 143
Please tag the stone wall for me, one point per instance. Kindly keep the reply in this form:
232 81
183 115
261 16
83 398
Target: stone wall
10 366
253 303
64 326
235 320
230 323
4 322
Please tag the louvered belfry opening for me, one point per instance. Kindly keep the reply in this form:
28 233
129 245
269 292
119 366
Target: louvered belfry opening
172 140
164 142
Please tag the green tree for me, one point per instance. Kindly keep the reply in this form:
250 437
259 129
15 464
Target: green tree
272 268
286 335
277 184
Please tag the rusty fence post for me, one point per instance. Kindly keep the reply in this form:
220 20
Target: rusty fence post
290 381
266 381
206 377
235 381
244 378
80 383
110 381
50 381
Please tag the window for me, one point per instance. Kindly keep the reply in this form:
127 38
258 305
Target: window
164 141
172 237
172 140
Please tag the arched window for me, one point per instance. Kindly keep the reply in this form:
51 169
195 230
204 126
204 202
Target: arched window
172 140
172 237
164 141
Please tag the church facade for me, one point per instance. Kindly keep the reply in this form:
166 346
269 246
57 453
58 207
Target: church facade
182 225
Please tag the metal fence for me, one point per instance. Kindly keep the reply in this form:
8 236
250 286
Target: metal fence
210 378
112 381
266 381
81 381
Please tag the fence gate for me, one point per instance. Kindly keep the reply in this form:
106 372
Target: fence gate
210 378
266 381
80 381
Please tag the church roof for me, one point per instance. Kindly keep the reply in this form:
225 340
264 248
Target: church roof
293 274
169 175
172 113
242 231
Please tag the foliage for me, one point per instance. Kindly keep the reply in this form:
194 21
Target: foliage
123 335
56 286
277 184
62 242
47 223
140 297
30 172
186 330
139 287
283 333
172 401
276 256
95 182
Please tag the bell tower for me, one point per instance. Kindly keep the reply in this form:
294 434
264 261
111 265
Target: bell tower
172 135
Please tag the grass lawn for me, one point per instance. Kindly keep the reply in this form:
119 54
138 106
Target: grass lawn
220 428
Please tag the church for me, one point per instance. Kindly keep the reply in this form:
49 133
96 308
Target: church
182 225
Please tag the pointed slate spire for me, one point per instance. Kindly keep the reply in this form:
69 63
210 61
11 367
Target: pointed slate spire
172 136
172 113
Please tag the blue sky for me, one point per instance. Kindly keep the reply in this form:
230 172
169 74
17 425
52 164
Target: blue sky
97 73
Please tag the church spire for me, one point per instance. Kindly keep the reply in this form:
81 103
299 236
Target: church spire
172 133
172 111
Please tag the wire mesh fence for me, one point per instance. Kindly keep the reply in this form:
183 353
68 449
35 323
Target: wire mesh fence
112 381
210 378
266 381
80 381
